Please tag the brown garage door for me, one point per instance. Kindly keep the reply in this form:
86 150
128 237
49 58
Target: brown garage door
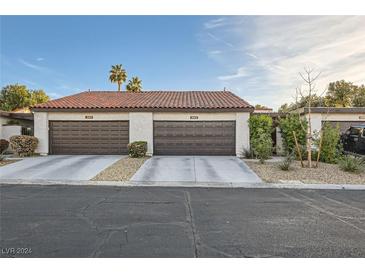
194 138
88 137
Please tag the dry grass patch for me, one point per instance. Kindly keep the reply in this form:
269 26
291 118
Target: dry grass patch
325 173
122 170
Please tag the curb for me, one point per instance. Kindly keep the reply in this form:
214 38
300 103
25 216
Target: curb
188 184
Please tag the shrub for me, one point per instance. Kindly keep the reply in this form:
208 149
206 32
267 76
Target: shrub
260 136
351 163
137 149
3 145
290 123
23 145
262 145
256 122
286 163
248 153
331 147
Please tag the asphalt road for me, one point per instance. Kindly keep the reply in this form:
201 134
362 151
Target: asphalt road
96 221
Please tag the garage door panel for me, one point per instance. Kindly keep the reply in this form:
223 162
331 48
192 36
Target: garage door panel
194 138
89 137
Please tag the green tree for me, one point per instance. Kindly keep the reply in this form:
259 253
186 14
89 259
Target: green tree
118 75
38 97
17 96
134 85
13 97
359 98
340 93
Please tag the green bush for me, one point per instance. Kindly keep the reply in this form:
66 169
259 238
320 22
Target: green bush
286 163
257 122
331 148
262 145
23 145
260 136
137 149
290 123
352 164
3 145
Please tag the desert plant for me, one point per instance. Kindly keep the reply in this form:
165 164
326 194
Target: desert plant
262 145
351 163
137 149
2 157
4 144
330 144
286 163
23 145
293 123
247 153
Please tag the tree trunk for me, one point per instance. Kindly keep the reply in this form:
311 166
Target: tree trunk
119 84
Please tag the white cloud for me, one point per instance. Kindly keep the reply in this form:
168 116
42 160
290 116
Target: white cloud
219 40
31 65
274 49
39 59
215 23
241 72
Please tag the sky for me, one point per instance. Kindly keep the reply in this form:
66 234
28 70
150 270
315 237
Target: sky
256 57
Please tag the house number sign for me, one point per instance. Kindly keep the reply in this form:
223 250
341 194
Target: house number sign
194 117
89 117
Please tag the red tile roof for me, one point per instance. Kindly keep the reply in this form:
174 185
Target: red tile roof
173 100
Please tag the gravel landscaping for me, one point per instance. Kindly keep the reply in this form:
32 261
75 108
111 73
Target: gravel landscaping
325 173
7 162
122 170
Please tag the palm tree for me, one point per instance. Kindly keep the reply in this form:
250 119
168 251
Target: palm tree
118 75
134 85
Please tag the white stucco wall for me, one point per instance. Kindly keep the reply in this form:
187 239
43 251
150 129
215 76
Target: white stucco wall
41 131
141 128
201 116
318 118
81 116
10 130
242 132
3 121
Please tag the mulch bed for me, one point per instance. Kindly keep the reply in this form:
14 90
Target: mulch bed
325 173
123 170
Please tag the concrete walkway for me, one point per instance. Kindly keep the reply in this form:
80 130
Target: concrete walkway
190 170
58 167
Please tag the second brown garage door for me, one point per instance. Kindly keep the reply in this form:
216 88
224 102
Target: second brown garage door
88 137
194 138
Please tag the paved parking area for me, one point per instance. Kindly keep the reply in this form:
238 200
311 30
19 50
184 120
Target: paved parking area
100 221
196 169
58 167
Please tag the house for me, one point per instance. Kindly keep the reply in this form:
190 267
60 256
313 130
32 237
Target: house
15 123
172 123
343 117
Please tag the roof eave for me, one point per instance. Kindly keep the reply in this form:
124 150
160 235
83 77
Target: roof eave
233 109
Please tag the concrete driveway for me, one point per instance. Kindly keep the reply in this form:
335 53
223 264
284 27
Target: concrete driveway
58 167
196 169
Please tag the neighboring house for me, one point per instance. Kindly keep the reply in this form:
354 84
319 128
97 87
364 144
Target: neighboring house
172 123
344 117
15 123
